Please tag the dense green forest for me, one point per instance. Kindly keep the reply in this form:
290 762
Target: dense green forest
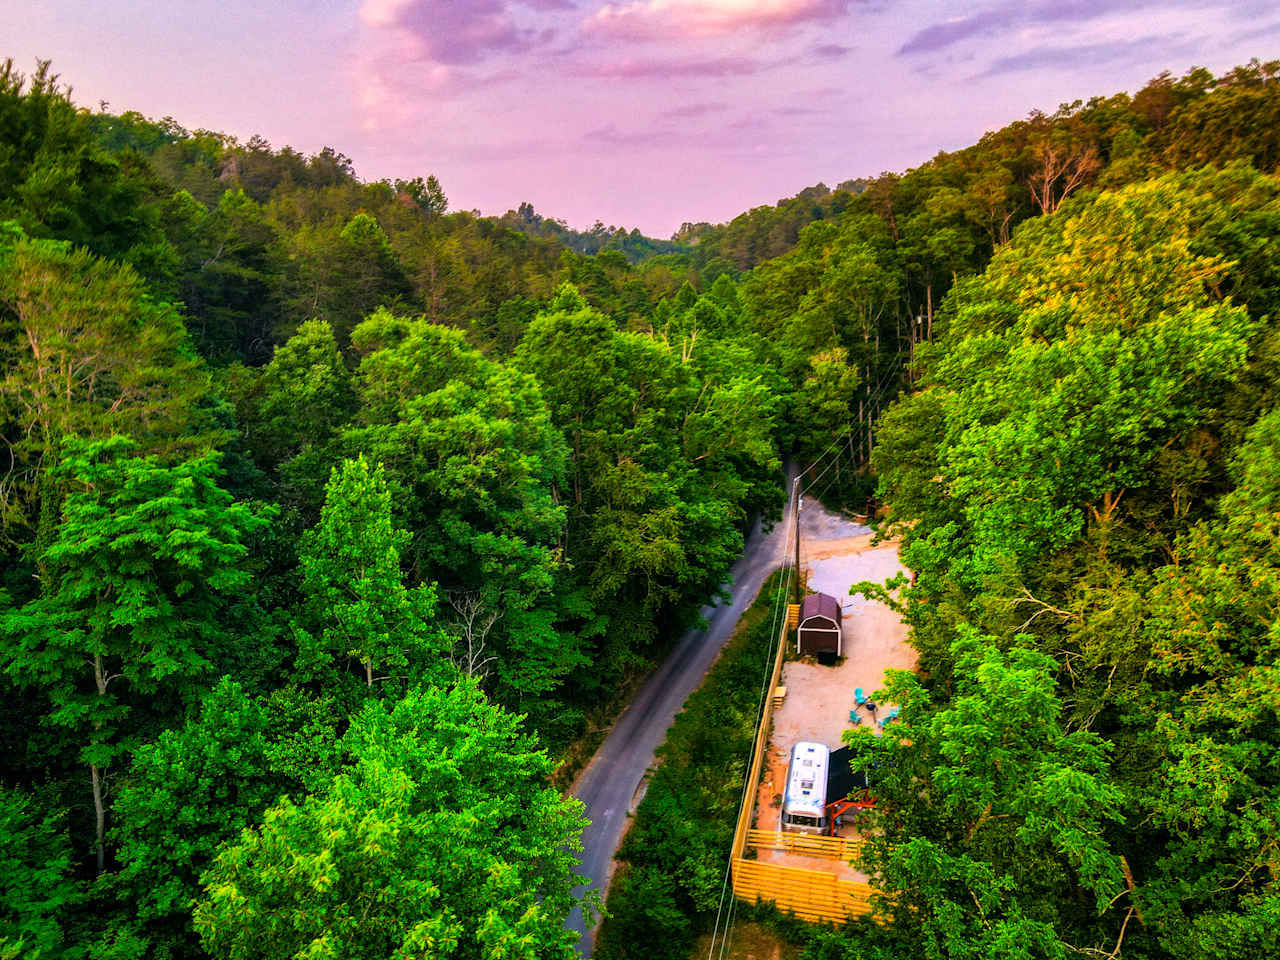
1086 484
331 514
1081 466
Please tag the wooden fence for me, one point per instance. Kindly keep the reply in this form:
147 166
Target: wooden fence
809 894
758 751
805 844
813 895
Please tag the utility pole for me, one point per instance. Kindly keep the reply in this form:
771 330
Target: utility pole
795 487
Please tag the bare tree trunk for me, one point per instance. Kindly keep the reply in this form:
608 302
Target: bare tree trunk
101 680
368 672
860 421
475 622
99 817
1073 166
866 437
912 324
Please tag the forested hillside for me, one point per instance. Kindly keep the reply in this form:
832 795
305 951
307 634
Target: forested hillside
330 515
1085 482
315 488
1077 468
1085 485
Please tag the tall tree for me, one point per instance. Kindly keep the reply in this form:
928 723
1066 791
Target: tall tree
141 568
87 354
295 408
989 829
197 787
343 273
56 181
1214 664
356 598
664 438
470 443
1059 485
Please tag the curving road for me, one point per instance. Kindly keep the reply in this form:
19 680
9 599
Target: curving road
609 783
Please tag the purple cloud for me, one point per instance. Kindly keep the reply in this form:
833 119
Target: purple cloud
1254 33
690 111
830 51
640 67
610 136
940 36
457 32
1075 57
661 19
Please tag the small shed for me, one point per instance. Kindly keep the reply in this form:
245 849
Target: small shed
819 628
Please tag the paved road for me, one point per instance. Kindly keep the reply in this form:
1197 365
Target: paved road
611 780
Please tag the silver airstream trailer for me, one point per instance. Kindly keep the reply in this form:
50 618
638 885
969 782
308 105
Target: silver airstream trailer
804 804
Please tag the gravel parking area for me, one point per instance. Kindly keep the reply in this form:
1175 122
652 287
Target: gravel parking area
835 554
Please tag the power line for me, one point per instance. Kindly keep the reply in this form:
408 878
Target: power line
776 624
775 634
809 486
779 603
834 443
724 922
720 910
826 488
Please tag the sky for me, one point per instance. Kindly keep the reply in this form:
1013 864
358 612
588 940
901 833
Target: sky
643 113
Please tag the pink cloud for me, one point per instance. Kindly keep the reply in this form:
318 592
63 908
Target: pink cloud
380 96
690 111
457 31
415 54
644 67
659 19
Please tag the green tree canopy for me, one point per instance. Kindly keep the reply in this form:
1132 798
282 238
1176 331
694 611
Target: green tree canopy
989 830
470 444
88 354
138 578
440 839
37 891
1085 480
197 787
356 598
